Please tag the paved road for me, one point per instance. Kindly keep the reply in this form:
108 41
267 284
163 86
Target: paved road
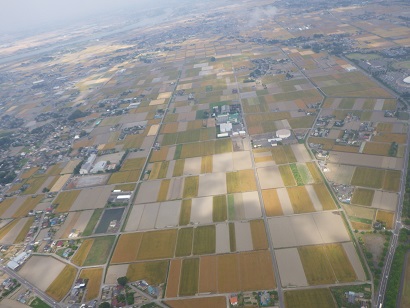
397 226
31 287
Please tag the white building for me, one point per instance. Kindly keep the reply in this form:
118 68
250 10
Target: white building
86 167
100 166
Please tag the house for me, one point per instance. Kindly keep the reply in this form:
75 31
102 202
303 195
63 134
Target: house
233 300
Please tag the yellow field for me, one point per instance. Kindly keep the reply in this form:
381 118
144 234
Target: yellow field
29 173
82 252
312 298
127 248
258 232
5 204
208 302
34 184
206 164
300 200
159 170
324 197
271 202
124 176
179 167
24 231
132 164
240 181
94 276
157 244
385 217
163 190
125 187
191 185
6 229
287 175
65 200
29 204
62 284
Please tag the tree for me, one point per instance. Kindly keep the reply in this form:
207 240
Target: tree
105 305
122 281
213 59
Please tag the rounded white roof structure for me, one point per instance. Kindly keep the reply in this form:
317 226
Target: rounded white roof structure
406 80
283 133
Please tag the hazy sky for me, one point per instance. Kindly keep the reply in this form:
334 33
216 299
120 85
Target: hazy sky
20 15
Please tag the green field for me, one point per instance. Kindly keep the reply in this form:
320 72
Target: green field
204 240
312 298
191 185
185 214
99 251
189 277
219 211
296 174
92 222
232 237
184 242
157 245
38 303
362 196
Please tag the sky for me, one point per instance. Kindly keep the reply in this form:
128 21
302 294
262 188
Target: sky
25 15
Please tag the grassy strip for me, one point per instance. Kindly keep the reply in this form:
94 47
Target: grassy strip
92 222
296 174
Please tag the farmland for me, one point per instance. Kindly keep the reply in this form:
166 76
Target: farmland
62 284
127 248
311 298
184 242
191 185
219 211
204 240
240 181
189 277
157 245
362 196
300 200
153 272
287 175
81 254
368 177
94 276
65 200
271 202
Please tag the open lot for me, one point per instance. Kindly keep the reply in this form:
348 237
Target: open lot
270 177
211 184
202 210
92 198
41 271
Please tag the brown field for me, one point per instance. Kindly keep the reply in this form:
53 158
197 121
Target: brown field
28 204
368 177
160 155
385 217
375 148
127 248
258 232
240 181
208 274
346 148
228 273
206 164
94 276
300 200
82 252
362 196
173 278
154 272
23 232
157 245
191 185
163 190
324 197
207 302
386 137
392 180
271 202
34 184
311 298
179 167
256 271
5 204
65 200
360 226
62 284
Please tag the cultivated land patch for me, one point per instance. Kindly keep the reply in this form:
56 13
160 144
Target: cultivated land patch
287 175
386 218
82 252
251 205
157 245
184 242
149 216
204 240
92 198
258 233
168 214
216 302
62 284
240 181
219 208
173 278
208 274
29 204
354 260
271 202
300 200
185 215
41 271
270 177
363 196
154 272
94 277
212 184
201 210
385 200
92 222
188 284
114 272
191 185
341 174
148 192
222 238
290 267
311 298
324 196
127 248
243 236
